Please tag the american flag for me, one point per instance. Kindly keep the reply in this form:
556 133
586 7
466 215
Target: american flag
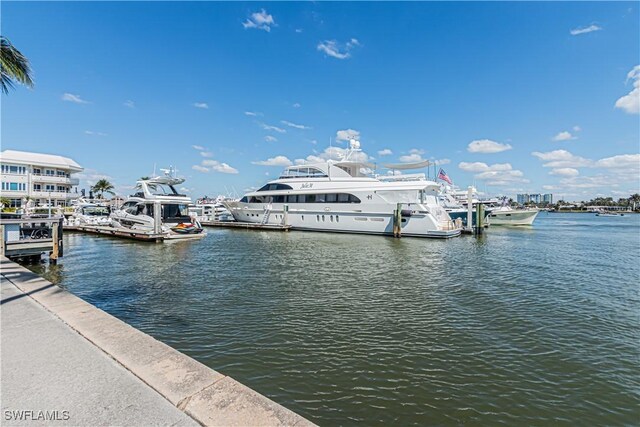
443 176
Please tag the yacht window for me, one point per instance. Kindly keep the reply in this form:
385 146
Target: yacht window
332 197
353 199
244 200
302 198
278 199
292 198
311 198
343 198
320 198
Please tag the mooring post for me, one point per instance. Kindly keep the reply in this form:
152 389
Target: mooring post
285 215
157 215
60 242
397 221
479 218
53 255
470 208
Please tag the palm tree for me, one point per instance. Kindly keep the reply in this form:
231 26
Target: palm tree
101 187
14 66
635 200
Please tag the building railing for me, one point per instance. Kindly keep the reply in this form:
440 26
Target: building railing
55 179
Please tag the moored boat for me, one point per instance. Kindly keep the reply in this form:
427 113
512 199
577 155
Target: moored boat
338 196
158 208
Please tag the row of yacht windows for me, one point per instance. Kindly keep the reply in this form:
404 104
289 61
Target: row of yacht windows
303 198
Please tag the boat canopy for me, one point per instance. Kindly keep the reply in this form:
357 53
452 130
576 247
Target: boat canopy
407 166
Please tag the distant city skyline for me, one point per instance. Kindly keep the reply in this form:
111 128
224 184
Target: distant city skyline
514 98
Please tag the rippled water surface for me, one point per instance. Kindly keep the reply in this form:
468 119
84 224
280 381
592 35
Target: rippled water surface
533 325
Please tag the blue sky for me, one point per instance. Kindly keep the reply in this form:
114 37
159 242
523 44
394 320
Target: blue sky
514 97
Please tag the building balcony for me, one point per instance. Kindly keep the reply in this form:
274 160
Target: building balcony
53 179
57 195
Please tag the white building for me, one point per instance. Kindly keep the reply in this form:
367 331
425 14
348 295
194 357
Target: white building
41 177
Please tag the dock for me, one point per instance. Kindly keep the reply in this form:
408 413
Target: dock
66 362
31 237
130 234
246 225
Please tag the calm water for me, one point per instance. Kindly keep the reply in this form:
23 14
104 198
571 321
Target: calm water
524 326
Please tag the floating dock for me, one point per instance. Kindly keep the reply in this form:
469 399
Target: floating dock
246 225
131 234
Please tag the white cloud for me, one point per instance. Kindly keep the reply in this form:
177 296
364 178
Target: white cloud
200 168
385 152
336 49
293 125
260 20
334 153
129 103
498 174
206 154
273 128
73 98
577 128
296 105
630 103
562 159
347 135
90 132
564 136
565 172
487 146
274 161
217 166
585 30
198 147
270 138
441 162
252 113
411 158
621 161
89 177
202 105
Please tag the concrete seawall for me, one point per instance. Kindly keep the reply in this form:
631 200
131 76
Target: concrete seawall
191 388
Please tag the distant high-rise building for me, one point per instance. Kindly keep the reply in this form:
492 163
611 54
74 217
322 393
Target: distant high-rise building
522 199
547 198
534 198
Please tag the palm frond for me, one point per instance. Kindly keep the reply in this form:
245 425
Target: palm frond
14 66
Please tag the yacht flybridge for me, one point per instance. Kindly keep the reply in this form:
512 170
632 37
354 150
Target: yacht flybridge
157 207
337 196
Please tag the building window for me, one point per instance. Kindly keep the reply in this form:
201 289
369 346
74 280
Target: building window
37 187
50 187
37 171
49 172
15 203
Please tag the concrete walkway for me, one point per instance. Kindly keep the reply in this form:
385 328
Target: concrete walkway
65 362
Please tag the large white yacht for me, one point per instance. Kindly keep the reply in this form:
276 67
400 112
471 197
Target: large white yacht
337 196
158 208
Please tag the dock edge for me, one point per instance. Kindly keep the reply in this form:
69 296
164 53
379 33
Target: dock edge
204 394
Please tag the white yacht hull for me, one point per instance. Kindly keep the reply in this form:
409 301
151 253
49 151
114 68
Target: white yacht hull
513 217
335 218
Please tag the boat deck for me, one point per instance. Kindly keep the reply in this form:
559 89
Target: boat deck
245 225
130 234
